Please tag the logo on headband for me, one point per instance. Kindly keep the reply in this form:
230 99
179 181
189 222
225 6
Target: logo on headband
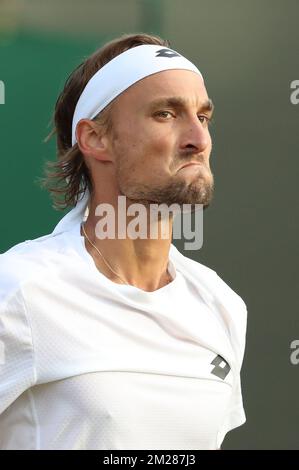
167 53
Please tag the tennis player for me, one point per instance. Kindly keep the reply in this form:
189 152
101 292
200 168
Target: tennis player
121 342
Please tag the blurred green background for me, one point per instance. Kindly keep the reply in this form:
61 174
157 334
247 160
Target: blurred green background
248 53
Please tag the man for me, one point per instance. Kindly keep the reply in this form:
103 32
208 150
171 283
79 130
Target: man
122 342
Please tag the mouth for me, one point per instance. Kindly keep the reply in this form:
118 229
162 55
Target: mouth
189 164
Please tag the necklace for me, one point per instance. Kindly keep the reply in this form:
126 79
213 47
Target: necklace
106 262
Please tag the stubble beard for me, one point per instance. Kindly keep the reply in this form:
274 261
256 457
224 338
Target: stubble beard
178 191
199 191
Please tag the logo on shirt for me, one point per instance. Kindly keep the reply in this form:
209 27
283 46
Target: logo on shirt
221 368
167 53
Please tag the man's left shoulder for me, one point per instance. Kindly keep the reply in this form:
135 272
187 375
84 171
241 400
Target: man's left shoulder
192 264
209 278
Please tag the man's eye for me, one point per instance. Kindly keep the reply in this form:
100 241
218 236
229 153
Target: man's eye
204 119
163 114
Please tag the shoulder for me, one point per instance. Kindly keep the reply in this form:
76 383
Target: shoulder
188 263
26 260
219 296
208 276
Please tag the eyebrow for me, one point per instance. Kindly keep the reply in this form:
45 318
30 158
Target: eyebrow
181 103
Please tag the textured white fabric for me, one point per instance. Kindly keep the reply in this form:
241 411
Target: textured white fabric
120 73
91 364
75 215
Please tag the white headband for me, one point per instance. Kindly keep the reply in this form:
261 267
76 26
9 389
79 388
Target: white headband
122 72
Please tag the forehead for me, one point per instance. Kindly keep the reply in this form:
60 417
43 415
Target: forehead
182 83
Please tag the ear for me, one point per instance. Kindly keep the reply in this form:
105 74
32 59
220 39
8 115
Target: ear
90 140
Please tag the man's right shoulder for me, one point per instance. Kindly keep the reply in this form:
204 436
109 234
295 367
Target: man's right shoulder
25 261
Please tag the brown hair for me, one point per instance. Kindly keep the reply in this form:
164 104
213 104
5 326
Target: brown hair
69 176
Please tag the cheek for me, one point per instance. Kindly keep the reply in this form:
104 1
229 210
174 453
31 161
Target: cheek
159 143
145 149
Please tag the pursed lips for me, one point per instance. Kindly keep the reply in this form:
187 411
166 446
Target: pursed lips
188 164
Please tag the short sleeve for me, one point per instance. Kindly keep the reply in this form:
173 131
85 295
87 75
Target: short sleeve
235 415
16 350
236 315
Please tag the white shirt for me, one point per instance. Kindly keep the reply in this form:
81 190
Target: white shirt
86 363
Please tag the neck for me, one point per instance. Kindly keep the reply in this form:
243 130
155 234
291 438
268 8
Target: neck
141 262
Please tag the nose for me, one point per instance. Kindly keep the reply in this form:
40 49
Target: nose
195 135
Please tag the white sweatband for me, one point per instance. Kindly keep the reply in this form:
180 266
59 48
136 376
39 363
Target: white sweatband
120 73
